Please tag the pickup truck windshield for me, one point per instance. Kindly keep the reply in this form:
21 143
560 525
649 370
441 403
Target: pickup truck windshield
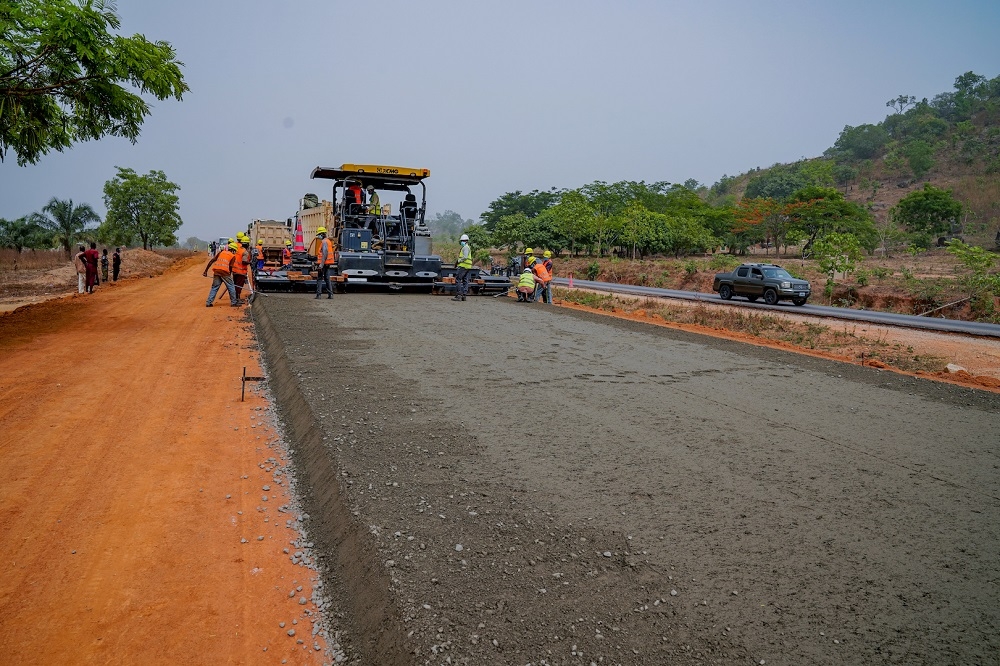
777 273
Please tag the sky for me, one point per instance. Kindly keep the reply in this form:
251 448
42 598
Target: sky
495 97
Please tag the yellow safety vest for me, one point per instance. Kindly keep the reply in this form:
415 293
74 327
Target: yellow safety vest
465 257
527 280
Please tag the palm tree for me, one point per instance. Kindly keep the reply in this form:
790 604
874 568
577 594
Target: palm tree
65 221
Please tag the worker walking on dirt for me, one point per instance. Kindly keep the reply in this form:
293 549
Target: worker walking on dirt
463 266
222 273
327 257
286 254
116 263
241 265
526 287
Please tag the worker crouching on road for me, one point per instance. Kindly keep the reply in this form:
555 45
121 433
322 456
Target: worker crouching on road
463 266
526 287
222 273
327 257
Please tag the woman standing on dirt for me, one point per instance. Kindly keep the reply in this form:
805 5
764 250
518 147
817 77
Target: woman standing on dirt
90 259
116 263
104 264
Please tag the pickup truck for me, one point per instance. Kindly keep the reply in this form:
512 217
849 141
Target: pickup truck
769 281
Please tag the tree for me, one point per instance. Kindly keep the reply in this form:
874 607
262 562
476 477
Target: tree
24 232
928 211
143 207
836 253
824 210
65 77
530 205
920 156
573 217
64 221
901 103
980 284
447 225
775 183
859 143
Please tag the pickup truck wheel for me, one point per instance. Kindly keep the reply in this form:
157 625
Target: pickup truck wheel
799 301
753 299
725 292
771 297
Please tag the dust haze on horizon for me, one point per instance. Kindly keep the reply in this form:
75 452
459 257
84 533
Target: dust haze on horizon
498 97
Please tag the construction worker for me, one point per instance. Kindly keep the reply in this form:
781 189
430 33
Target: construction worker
547 260
464 267
326 257
286 254
374 207
241 264
542 278
260 255
221 264
526 286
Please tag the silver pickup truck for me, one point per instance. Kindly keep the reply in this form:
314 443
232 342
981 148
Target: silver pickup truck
769 281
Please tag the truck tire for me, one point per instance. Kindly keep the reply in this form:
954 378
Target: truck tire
799 301
725 292
771 297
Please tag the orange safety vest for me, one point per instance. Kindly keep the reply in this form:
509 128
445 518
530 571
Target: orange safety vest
331 257
223 263
286 256
541 272
240 265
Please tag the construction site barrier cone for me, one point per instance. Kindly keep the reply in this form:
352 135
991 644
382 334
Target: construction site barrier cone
299 245
570 280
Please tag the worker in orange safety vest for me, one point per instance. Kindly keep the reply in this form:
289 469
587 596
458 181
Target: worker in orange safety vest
327 257
241 264
222 273
542 279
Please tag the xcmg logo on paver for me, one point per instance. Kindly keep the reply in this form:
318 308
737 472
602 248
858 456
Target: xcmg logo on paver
389 171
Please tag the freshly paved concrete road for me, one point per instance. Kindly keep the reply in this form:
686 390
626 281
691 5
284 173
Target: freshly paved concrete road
564 483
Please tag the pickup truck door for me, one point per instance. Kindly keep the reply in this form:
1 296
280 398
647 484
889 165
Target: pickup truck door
741 280
755 285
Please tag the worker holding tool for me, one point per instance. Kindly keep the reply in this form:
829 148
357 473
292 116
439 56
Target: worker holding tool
222 273
326 258
463 266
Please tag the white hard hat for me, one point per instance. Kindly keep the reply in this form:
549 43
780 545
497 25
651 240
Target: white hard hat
464 237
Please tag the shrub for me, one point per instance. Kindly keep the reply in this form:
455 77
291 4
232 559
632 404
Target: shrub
690 267
862 276
593 270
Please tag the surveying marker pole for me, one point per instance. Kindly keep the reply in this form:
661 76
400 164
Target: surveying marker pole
244 380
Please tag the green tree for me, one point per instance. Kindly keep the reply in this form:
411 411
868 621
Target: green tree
778 182
824 210
510 230
859 143
900 104
64 221
530 205
143 207
447 225
573 218
24 232
928 211
920 156
836 253
977 280
65 77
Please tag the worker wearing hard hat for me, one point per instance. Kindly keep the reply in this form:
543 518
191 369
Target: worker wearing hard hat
259 250
286 254
374 205
547 289
326 257
463 268
242 263
222 273
542 279
526 286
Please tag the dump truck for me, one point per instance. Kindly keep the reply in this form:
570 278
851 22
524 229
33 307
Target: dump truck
380 240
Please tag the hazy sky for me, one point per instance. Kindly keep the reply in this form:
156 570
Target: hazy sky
503 96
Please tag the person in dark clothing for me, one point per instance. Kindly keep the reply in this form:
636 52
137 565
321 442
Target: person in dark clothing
116 264
104 264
